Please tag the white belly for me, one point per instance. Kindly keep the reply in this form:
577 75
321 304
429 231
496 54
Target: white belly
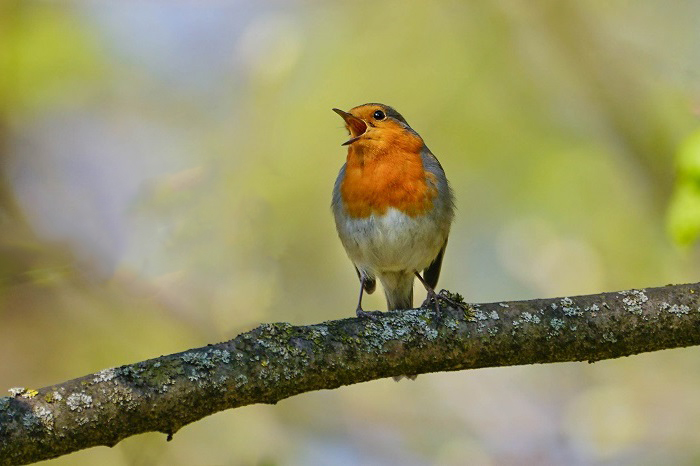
392 242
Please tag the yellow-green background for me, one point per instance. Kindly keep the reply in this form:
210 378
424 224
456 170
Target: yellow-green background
165 179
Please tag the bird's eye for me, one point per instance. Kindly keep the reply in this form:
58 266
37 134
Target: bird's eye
379 115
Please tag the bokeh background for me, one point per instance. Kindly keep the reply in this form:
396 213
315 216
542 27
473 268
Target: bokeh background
165 179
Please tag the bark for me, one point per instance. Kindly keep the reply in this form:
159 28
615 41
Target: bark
276 361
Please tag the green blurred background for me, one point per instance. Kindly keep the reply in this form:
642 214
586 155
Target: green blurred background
165 179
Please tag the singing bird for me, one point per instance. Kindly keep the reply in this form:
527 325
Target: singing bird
392 204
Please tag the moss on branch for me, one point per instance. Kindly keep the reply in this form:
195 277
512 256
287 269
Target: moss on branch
276 361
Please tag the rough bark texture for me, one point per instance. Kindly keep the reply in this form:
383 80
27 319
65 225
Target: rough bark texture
276 361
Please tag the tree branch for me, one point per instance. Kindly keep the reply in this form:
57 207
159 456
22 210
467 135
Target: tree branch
276 361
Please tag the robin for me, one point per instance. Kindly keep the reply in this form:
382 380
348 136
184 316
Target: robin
392 204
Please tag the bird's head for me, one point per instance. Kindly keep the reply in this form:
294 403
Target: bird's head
375 124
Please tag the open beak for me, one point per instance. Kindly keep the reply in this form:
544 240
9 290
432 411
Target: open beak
356 126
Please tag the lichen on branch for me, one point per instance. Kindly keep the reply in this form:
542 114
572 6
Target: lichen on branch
279 360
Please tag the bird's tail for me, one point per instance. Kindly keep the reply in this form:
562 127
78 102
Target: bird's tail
398 288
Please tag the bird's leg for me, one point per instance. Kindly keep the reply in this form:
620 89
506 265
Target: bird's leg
431 293
359 311
434 296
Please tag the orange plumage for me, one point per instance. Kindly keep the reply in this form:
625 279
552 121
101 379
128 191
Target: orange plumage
386 173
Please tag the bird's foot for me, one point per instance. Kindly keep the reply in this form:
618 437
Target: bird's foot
454 300
366 314
435 298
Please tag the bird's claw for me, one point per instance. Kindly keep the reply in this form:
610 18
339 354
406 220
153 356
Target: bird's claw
456 301
443 295
365 314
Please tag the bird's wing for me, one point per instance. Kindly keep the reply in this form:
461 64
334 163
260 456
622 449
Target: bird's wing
432 272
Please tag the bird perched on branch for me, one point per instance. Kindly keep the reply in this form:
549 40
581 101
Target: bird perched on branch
392 204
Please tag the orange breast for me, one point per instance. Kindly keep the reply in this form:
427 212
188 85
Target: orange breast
386 171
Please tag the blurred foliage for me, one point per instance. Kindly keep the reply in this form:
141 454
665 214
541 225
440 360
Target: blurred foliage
684 211
45 53
165 179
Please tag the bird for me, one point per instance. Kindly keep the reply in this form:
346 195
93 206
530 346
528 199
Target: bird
393 206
